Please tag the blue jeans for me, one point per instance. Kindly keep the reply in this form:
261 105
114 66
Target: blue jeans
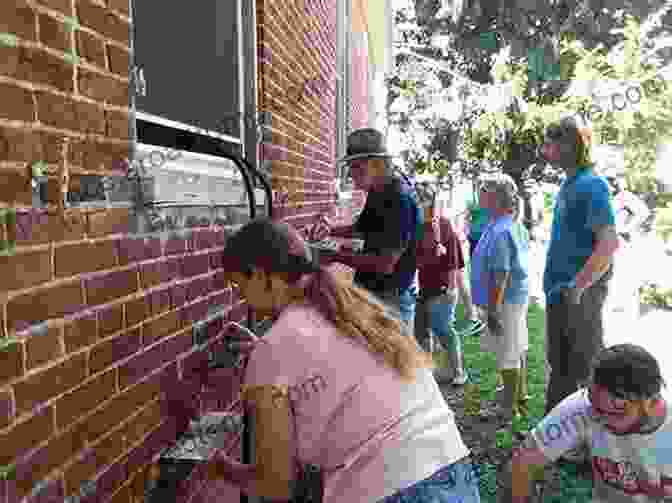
456 483
407 299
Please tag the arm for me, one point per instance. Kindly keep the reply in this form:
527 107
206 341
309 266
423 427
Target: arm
606 244
524 468
602 221
392 239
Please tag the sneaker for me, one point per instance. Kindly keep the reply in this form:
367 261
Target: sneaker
468 327
461 380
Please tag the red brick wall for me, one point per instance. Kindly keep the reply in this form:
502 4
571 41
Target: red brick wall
297 51
94 324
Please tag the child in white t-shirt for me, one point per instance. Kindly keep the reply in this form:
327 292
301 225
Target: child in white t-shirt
623 418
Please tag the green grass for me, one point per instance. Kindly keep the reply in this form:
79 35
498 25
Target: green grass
573 489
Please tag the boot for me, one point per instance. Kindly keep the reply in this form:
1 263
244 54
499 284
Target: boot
510 396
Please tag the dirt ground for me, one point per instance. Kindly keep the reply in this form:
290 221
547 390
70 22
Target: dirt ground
560 480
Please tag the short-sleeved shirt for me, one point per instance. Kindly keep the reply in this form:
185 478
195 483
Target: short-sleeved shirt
503 247
478 220
583 202
353 409
432 269
390 220
622 464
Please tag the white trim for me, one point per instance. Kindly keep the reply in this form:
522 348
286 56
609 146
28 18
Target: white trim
190 162
155 119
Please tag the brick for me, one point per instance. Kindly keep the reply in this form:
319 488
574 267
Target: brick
91 48
111 286
170 270
26 435
49 383
113 221
131 250
11 361
100 156
10 60
175 245
63 6
40 228
6 408
119 6
82 332
196 312
148 419
85 398
101 20
101 87
43 348
58 451
117 124
204 239
120 408
216 260
54 33
193 265
178 295
150 275
137 310
160 328
123 495
74 259
141 365
199 288
110 320
15 187
110 480
44 304
114 350
100 456
154 248
18 103
18 18
44 68
90 117
159 301
119 60
25 270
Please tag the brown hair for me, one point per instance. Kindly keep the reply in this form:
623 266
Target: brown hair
278 248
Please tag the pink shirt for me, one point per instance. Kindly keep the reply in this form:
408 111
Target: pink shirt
353 409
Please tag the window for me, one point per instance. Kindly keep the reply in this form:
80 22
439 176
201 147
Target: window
343 92
195 81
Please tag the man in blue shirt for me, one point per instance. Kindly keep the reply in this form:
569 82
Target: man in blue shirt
579 260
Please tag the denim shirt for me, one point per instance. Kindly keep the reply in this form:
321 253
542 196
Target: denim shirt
503 247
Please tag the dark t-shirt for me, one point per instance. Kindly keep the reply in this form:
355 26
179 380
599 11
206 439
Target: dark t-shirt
389 221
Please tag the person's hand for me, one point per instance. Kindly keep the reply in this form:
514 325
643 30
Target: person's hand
440 250
321 228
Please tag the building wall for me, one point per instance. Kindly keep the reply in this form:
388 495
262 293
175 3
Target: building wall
96 323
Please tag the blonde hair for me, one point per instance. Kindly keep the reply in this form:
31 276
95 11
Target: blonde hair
362 317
